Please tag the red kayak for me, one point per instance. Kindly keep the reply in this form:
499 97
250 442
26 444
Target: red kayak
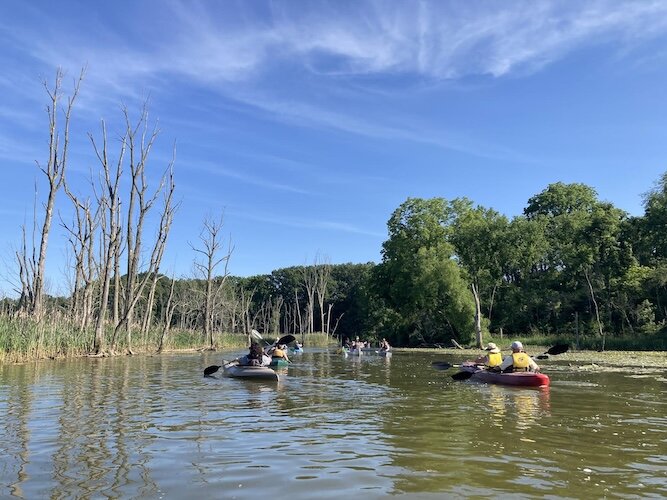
523 379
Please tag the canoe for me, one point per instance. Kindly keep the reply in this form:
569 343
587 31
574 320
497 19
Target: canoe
250 372
384 353
521 379
278 363
297 351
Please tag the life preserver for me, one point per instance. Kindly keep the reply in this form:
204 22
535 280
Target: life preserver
494 359
520 361
278 353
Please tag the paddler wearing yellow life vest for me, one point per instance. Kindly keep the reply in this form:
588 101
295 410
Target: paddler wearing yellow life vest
519 361
492 359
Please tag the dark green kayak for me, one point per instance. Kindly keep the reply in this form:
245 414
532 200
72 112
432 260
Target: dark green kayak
278 363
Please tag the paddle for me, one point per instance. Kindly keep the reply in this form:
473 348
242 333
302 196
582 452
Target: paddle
462 375
554 351
441 365
210 370
287 339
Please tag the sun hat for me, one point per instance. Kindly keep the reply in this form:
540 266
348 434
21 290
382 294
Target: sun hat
516 346
492 348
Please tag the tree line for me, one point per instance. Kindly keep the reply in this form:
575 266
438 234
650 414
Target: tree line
570 264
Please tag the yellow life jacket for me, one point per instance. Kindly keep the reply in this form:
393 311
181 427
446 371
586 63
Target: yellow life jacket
278 353
520 361
494 359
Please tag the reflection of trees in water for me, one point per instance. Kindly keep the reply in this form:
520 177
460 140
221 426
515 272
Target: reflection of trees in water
19 401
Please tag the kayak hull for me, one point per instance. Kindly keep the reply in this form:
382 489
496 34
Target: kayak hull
517 379
279 363
250 372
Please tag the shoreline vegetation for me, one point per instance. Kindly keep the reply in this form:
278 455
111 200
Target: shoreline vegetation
571 268
23 340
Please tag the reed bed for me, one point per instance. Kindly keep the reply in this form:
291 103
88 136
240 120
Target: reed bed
23 339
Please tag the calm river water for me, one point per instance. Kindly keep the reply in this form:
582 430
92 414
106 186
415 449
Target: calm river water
154 427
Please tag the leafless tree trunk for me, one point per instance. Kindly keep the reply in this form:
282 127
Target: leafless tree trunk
111 231
55 173
309 275
276 308
168 315
595 306
322 275
246 303
298 313
139 145
478 316
211 239
81 238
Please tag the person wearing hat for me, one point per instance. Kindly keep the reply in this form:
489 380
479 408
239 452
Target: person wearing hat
518 360
492 358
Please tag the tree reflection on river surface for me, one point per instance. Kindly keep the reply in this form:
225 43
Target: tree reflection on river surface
366 427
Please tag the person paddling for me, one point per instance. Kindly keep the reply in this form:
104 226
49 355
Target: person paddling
518 360
491 359
279 352
255 357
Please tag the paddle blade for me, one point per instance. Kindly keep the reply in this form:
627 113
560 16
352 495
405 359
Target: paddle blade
287 339
558 349
210 370
462 375
255 334
441 365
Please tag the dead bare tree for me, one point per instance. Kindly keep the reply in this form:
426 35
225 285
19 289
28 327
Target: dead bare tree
139 144
309 276
109 201
81 236
169 309
156 275
211 241
322 275
54 170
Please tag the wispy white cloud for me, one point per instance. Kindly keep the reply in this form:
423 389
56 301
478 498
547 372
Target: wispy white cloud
431 39
237 175
306 223
225 50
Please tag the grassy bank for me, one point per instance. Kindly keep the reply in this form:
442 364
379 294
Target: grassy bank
23 339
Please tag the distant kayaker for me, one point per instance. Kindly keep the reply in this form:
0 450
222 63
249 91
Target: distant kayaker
492 358
518 360
384 345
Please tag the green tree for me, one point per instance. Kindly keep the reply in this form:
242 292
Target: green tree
479 237
419 278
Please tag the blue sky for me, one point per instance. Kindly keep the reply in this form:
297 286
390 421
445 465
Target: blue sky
308 123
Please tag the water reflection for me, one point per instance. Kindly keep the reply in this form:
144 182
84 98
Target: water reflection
331 427
527 406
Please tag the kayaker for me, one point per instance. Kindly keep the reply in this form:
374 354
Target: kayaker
384 345
518 360
491 359
279 352
255 357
